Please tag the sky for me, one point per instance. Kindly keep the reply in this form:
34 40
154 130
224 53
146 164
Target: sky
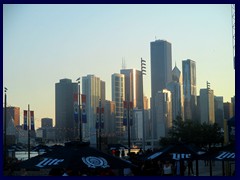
45 43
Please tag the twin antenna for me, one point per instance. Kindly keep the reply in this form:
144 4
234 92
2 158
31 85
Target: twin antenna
123 63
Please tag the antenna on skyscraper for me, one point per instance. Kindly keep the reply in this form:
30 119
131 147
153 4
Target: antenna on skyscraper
208 85
123 64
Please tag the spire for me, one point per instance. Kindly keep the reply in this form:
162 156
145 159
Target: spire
123 63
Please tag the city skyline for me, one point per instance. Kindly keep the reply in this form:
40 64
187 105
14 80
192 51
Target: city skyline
45 43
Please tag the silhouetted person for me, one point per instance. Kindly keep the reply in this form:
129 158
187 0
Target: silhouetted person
190 167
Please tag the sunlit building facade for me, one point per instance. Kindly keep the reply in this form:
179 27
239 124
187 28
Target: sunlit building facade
176 89
163 107
94 89
189 88
207 112
133 86
118 96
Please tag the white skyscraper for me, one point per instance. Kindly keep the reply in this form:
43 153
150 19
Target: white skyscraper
137 130
189 88
163 107
118 96
92 88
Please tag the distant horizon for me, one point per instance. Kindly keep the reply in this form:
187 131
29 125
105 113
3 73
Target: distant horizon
45 43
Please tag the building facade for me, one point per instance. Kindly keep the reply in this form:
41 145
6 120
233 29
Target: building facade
12 121
109 125
94 89
228 110
133 86
233 104
66 126
163 107
46 122
207 112
176 89
219 111
13 115
118 96
189 88
161 75
161 65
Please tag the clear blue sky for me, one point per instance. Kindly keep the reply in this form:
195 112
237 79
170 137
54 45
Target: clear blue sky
45 43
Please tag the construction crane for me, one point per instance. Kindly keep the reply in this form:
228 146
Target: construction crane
233 31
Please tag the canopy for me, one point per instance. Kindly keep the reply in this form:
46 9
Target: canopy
177 152
225 153
75 155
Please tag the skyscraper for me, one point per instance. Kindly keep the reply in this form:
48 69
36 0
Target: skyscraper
161 65
233 104
13 115
12 120
66 126
228 110
46 123
207 112
219 110
189 88
48 132
161 73
133 86
118 96
109 125
94 89
163 109
176 89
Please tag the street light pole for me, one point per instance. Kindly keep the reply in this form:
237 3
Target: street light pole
79 111
128 123
100 123
5 126
28 131
143 70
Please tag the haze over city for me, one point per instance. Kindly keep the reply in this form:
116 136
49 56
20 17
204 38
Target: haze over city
45 43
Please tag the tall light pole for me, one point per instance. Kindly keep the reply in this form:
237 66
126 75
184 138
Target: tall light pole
28 129
143 70
129 123
79 111
100 124
126 120
5 126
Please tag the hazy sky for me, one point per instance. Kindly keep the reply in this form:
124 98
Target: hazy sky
45 43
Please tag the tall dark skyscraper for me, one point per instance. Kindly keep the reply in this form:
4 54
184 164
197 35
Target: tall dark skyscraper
189 88
161 73
66 126
161 65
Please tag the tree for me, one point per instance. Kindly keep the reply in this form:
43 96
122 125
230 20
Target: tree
193 132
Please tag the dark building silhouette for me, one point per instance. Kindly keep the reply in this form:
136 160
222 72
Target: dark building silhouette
161 73
66 125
